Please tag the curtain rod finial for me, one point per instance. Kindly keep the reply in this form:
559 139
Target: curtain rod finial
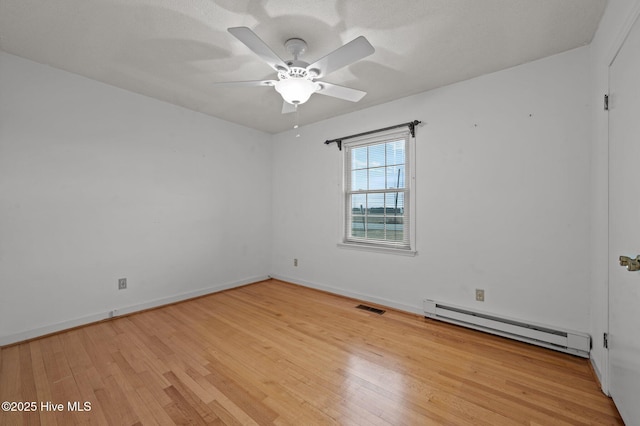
337 142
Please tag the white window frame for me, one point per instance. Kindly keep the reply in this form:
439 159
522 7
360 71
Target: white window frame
409 201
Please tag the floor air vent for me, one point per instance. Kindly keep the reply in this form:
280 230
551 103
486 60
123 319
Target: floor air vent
573 342
371 309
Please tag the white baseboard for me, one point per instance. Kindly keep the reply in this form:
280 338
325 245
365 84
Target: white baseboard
364 297
88 319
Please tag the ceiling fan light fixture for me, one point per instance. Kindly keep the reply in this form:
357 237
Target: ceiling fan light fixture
296 91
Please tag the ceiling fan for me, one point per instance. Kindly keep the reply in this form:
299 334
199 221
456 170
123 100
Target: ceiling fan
297 80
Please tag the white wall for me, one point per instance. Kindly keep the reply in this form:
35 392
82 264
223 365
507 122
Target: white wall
97 183
613 28
502 198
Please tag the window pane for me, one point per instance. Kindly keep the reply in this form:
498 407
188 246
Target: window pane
358 209
375 227
375 218
359 158
357 226
401 202
359 180
395 228
375 204
395 177
394 204
377 178
376 155
395 152
358 203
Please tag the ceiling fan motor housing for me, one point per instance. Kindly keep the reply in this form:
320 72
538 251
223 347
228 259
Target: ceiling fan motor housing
296 46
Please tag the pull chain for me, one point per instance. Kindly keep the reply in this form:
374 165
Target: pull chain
296 125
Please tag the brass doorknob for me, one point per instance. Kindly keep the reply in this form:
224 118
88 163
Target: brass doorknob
631 264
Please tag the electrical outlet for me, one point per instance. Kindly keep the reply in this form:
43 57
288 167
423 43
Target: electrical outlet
122 283
295 262
479 295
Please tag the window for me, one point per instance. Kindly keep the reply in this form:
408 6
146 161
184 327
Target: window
378 192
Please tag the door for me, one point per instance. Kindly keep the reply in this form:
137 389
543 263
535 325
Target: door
624 228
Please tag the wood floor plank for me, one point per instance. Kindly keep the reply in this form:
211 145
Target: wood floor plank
180 410
88 381
274 353
192 399
241 397
42 383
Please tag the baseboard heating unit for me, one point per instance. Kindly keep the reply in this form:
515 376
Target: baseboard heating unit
571 342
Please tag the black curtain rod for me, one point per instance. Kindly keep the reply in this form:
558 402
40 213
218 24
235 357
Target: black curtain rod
411 124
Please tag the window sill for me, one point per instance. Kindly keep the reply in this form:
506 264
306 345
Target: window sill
377 249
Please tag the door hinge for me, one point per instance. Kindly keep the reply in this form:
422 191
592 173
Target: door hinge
605 340
606 102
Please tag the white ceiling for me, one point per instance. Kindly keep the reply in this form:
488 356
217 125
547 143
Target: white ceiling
174 50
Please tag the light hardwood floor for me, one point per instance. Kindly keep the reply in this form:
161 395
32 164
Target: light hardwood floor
277 353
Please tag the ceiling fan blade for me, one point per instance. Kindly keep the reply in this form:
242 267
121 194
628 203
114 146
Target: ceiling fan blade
288 108
340 92
253 83
259 47
351 52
